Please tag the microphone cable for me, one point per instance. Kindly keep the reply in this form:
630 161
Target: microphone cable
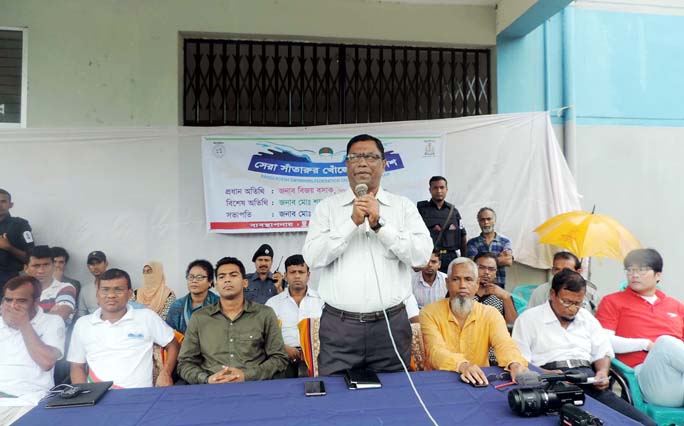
389 330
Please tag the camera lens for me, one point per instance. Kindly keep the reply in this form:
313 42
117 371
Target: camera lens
528 402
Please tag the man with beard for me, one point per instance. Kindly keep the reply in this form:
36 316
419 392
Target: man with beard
234 340
561 335
429 283
293 305
444 223
459 331
261 284
491 241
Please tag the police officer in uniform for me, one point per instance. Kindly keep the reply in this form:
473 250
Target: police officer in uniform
15 240
444 222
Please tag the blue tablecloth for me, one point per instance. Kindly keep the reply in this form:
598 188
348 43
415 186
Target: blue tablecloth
282 402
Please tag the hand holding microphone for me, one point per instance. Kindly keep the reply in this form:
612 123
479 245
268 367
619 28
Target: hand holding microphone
366 207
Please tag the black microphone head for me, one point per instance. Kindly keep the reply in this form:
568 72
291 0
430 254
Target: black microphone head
361 189
528 379
575 376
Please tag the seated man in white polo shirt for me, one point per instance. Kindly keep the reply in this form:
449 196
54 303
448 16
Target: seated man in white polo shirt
116 340
560 335
294 304
32 341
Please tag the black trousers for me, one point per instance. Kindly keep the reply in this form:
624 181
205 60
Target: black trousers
348 344
609 398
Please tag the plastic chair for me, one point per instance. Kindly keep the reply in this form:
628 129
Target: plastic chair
521 295
625 377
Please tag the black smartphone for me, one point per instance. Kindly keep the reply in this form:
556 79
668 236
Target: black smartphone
314 388
479 385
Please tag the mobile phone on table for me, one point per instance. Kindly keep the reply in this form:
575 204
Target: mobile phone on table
314 388
479 385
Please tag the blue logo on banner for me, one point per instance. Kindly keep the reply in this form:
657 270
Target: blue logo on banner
288 164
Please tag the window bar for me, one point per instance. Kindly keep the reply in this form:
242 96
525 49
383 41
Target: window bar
476 78
488 84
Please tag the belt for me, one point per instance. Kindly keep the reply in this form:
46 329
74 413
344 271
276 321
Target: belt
447 251
568 363
363 316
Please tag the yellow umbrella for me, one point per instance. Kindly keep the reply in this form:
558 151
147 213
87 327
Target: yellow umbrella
588 234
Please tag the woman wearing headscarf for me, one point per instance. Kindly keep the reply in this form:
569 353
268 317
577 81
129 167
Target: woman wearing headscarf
154 293
157 296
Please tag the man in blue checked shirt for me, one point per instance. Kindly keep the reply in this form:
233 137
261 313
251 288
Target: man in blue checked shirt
490 241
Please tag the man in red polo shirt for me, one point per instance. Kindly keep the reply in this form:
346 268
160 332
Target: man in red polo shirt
647 328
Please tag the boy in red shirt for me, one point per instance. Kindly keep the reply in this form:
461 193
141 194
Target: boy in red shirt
647 328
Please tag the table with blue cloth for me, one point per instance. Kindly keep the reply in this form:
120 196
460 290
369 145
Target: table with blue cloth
282 402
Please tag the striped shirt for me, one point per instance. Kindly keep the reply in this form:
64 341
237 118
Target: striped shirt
58 294
499 243
426 293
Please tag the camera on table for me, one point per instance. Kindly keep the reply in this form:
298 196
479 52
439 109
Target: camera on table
547 395
575 416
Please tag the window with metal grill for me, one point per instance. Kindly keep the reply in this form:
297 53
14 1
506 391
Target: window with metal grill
11 63
266 83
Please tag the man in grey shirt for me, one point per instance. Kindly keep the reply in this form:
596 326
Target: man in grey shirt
564 260
87 300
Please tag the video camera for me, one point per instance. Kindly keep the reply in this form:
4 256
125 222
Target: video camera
546 393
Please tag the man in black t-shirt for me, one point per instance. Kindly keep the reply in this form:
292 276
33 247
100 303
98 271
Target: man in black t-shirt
444 223
15 239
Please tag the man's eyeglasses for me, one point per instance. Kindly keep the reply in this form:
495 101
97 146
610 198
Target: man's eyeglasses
642 270
568 303
486 268
113 290
197 277
370 158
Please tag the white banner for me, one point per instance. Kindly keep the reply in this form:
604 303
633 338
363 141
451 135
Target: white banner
273 183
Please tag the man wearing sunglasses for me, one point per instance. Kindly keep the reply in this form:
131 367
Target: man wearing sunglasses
561 335
646 328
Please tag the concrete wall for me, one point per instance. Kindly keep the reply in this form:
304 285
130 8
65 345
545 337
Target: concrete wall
626 73
116 62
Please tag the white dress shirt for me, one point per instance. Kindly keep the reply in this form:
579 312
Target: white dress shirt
341 252
20 375
541 338
289 313
426 293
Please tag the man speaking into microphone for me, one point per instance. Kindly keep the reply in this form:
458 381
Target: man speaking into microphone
363 243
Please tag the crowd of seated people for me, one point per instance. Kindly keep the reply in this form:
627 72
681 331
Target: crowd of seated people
106 330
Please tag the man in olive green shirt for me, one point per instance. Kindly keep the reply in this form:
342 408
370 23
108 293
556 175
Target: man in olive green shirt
233 340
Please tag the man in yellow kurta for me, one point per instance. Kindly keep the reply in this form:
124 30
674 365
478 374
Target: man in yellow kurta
458 331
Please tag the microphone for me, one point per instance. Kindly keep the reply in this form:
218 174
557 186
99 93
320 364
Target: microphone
361 190
534 379
528 379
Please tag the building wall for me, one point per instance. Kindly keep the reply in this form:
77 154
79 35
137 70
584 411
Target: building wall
117 62
626 79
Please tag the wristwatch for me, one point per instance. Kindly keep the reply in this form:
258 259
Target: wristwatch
377 226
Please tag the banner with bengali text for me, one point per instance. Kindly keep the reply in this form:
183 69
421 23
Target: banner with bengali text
273 183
